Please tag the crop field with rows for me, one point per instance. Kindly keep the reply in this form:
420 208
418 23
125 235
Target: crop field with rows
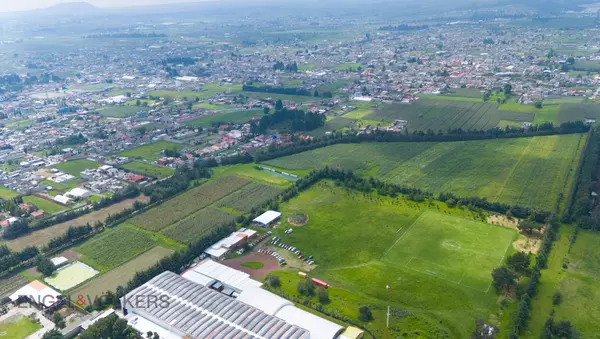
446 114
527 171
249 197
114 247
198 224
187 203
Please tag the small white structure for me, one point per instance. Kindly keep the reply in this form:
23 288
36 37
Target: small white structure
267 219
78 193
59 261
62 199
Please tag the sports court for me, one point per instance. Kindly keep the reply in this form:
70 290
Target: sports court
71 275
450 248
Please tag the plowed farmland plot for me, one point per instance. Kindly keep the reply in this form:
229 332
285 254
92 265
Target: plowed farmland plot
187 203
249 197
443 115
527 171
198 224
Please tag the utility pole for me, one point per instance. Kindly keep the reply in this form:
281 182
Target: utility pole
387 321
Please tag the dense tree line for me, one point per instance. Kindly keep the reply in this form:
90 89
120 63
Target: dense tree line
9 259
110 327
129 192
297 119
280 66
277 90
419 136
177 183
403 27
72 234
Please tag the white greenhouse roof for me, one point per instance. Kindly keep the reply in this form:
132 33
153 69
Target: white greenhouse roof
227 275
267 217
268 302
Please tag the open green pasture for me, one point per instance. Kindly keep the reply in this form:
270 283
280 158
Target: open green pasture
18 327
437 260
150 151
43 204
447 114
120 111
528 171
579 111
76 166
148 169
207 91
238 117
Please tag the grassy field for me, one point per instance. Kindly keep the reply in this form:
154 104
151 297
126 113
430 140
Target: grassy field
548 113
249 172
362 110
238 117
528 171
148 169
119 276
283 97
251 196
335 124
444 114
207 91
121 111
76 166
43 204
41 237
114 247
349 65
6 193
18 327
187 203
195 226
150 151
361 243
575 276
581 111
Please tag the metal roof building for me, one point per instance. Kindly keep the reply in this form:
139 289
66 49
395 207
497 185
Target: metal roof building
267 218
208 271
189 309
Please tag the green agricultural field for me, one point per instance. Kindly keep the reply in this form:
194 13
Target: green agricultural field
76 166
249 197
362 110
114 247
581 111
11 283
187 203
238 117
528 171
198 225
444 114
120 275
150 151
213 107
548 113
43 204
335 124
274 96
18 327
349 65
120 111
574 274
250 172
6 193
208 91
148 169
437 260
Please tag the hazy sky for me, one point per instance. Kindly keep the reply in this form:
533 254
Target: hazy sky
11 5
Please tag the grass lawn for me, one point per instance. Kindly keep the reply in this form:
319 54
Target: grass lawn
75 167
362 109
253 264
120 111
238 117
18 327
6 193
150 151
148 169
207 91
437 260
349 65
43 204
114 247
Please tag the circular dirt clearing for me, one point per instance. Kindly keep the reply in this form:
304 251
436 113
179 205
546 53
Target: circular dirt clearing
255 265
298 219
270 264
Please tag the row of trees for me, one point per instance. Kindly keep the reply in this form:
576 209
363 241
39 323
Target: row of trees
280 66
277 90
